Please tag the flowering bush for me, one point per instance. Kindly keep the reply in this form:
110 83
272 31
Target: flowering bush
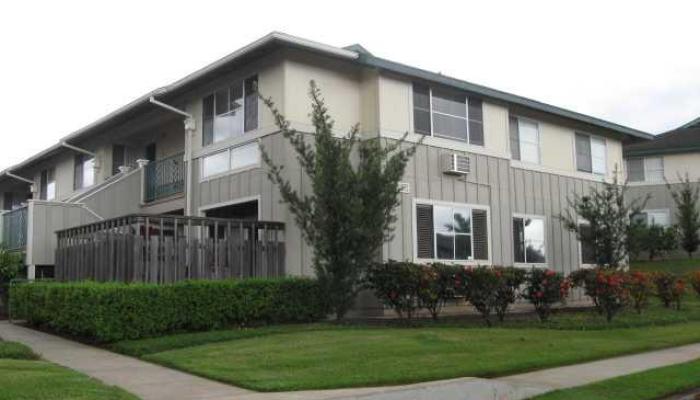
397 285
694 280
611 292
510 280
480 288
586 278
640 288
669 289
545 287
437 284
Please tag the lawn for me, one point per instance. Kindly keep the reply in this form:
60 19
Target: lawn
678 267
24 376
646 385
324 356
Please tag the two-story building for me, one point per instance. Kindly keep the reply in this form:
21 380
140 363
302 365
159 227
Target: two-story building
493 173
653 167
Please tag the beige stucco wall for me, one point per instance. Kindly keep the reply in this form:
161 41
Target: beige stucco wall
679 164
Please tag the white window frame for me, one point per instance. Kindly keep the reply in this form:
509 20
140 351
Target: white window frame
520 140
590 140
431 111
544 239
243 109
469 206
658 211
229 171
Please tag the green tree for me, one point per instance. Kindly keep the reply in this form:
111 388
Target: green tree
10 267
608 221
659 240
686 199
349 212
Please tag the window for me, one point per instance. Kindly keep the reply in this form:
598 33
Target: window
656 217
448 114
647 169
591 154
231 111
524 140
47 187
231 159
84 171
451 232
529 240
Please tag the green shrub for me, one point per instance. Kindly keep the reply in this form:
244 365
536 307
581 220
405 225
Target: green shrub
437 285
397 285
669 289
694 280
107 312
480 288
640 287
511 278
544 288
611 292
585 278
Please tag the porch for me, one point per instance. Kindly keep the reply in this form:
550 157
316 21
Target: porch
163 249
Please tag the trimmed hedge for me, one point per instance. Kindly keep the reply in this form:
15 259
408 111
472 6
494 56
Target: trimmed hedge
107 312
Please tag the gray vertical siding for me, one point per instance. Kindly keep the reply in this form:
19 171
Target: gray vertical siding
45 218
493 182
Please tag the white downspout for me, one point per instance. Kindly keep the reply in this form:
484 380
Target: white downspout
190 127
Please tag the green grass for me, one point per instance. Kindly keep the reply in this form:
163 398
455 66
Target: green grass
646 385
16 351
24 376
679 267
350 357
24 379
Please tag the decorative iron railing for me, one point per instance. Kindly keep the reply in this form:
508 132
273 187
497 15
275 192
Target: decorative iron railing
165 178
162 249
14 229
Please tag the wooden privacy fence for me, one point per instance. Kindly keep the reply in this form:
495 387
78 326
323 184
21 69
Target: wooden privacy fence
163 249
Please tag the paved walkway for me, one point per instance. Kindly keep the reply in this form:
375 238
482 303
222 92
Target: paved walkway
153 382
145 380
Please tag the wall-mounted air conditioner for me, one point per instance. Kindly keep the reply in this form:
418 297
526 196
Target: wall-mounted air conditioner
456 164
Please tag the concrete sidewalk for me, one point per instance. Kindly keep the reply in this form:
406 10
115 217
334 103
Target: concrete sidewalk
153 382
145 380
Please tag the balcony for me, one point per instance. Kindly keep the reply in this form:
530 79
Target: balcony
168 248
14 229
164 178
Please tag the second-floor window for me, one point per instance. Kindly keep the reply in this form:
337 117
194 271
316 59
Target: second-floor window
647 169
230 112
447 113
84 171
524 140
590 154
47 186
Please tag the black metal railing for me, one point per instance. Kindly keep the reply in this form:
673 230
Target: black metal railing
14 229
165 248
164 178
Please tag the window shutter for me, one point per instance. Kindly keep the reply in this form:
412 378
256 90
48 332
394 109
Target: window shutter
587 249
251 104
481 234
583 153
424 231
43 185
421 109
514 138
78 172
519 240
208 120
635 169
476 122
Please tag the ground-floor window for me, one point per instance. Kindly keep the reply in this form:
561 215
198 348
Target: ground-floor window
529 240
452 232
661 217
587 248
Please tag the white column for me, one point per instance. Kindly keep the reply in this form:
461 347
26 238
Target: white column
31 272
190 131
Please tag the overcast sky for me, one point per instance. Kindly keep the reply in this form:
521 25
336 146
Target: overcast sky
66 63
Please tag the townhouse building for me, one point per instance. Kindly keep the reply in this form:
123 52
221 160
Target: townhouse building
654 168
175 167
